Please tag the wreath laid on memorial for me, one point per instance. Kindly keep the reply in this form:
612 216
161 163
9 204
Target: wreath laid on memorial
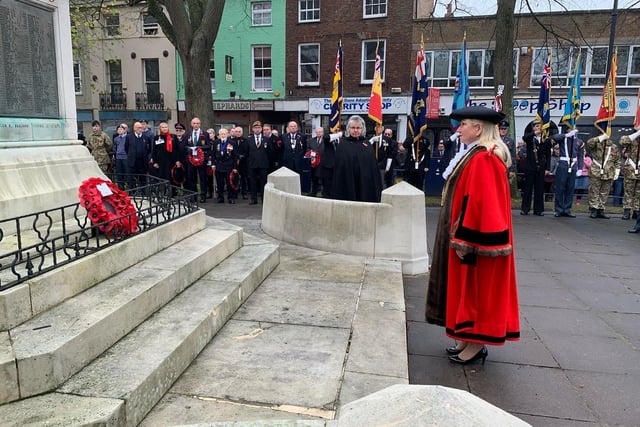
108 207
314 158
197 159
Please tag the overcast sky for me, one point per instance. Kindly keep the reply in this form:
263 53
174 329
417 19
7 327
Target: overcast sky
488 7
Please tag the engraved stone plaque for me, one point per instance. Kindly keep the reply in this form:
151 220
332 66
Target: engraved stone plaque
28 77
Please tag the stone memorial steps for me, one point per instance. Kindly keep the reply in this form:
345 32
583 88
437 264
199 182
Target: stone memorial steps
139 368
122 385
55 344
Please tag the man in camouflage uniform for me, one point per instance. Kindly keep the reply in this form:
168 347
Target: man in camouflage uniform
631 153
604 170
99 144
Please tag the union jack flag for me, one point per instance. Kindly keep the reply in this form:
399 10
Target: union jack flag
543 114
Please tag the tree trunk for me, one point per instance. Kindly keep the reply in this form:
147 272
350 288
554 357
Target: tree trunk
503 58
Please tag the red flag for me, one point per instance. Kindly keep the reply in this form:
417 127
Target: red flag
636 120
607 111
375 101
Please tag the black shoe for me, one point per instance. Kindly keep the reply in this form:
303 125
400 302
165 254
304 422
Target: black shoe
253 202
524 213
594 213
232 201
453 350
203 199
634 230
244 197
539 213
569 215
220 200
482 354
557 214
600 214
626 214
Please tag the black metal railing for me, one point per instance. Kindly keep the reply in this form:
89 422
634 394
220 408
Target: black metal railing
49 239
113 101
149 101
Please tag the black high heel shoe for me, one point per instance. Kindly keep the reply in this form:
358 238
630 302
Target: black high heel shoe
453 350
482 354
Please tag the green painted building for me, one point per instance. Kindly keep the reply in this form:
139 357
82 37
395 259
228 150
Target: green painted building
248 64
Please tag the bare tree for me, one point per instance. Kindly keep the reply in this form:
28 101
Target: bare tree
191 26
503 54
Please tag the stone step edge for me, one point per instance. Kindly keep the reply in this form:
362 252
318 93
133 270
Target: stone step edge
40 293
39 373
76 401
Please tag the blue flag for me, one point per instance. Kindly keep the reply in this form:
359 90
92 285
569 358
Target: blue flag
461 94
572 109
543 114
418 116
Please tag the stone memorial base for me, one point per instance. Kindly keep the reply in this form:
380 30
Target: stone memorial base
35 178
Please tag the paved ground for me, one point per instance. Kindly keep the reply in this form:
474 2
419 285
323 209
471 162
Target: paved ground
578 363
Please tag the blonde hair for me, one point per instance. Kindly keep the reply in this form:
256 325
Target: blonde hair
490 138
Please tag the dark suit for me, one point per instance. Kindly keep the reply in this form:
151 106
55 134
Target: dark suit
225 158
386 150
198 172
538 160
417 161
243 167
258 164
317 174
293 151
138 150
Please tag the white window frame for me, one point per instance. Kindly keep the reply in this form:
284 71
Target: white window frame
308 11
305 64
261 14
377 8
262 69
77 77
212 71
112 28
441 60
149 28
148 82
114 84
367 62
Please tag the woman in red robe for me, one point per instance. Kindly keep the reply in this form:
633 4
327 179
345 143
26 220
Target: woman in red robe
472 285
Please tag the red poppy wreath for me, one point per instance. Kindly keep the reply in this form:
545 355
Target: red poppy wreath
196 159
108 207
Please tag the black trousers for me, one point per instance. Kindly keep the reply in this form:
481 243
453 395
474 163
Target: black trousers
533 188
257 180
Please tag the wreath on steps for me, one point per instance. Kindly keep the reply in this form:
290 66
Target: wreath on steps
108 207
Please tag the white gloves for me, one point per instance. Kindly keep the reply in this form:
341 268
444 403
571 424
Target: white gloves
634 135
454 137
579 172
388 166
334 136
603 137
571 133
374 139
617 175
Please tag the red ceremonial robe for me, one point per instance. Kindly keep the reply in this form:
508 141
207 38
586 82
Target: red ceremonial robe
481 290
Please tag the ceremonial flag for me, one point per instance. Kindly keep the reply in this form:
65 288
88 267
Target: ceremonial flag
418 116
607 111
336 95
461 94
572 109
375 101
636 120
543 115
497 103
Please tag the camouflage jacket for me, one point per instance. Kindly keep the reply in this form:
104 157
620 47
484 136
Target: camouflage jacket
100 146
631 151
606 158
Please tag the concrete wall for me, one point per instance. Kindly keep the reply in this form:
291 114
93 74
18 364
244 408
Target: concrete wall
394 229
